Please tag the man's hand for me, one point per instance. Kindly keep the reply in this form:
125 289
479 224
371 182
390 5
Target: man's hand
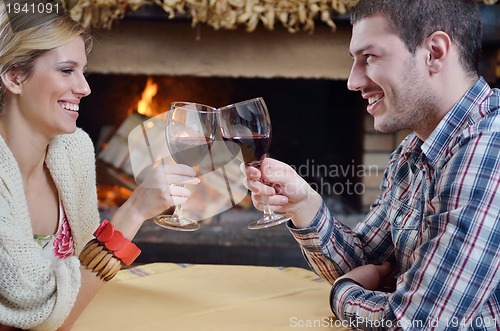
371 276
285 190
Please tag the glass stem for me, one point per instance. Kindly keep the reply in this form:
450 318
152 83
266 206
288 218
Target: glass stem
267 207
179 208
265 199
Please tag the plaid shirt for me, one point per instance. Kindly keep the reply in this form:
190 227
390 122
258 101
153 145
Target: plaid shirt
437 219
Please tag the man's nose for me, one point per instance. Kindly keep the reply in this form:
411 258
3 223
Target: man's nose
357 78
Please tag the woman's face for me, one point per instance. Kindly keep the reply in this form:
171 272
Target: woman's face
50 97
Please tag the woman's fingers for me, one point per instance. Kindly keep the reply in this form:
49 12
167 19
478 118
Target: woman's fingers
180 174
164 175
179 191
179 169
180 180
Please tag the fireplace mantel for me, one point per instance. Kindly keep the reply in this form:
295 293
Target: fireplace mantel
175 48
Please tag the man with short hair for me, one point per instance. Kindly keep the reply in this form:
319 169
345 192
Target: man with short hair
436 223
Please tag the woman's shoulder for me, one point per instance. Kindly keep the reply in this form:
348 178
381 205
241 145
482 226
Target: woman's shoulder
79 137
78 142
76 148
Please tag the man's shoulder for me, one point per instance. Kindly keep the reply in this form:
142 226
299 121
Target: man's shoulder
491 122
487 120
407 145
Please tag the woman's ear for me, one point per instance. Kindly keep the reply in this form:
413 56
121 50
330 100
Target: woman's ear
438 46
12 81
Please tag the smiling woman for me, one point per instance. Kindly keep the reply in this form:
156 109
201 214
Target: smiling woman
49 95
48 200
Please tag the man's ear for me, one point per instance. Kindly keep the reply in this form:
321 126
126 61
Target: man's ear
438 47
12 81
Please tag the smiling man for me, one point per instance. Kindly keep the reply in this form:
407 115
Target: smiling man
433 232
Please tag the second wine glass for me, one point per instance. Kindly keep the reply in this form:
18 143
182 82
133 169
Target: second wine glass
190 131
246 130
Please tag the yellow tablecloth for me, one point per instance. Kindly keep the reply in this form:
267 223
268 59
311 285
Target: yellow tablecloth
167 296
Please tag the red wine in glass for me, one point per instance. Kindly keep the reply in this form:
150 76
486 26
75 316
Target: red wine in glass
253 148
189 150
246 130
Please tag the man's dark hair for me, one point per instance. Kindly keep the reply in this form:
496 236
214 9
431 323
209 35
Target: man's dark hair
415 20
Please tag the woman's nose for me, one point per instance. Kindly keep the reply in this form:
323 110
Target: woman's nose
82 87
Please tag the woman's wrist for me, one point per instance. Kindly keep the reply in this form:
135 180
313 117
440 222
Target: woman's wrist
107 251
127 220
114 241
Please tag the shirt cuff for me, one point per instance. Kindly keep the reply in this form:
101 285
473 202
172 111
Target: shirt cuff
310 238
314 224
337 292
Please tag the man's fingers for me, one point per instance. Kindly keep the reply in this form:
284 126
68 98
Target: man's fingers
250 172
384 269
260 188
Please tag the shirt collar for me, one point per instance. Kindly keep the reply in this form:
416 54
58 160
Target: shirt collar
454 121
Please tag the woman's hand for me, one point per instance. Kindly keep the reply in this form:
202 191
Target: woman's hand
285 189
157 192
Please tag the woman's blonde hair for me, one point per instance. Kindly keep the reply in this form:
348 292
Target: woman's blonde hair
20 49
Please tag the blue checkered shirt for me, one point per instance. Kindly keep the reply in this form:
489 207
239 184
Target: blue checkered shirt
436 218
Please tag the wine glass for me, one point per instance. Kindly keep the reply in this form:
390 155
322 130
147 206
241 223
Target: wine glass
190 131
246 129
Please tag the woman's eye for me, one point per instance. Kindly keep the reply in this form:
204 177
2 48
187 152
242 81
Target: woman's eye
67 71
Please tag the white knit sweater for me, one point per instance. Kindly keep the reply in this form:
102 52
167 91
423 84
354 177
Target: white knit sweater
34 294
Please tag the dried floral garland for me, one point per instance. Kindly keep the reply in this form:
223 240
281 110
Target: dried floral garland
294 15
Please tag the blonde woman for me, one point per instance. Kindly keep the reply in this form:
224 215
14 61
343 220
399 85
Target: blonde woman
48 200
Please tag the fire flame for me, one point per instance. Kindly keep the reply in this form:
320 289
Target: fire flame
144 106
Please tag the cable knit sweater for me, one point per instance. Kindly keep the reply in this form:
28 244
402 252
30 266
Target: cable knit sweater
33 293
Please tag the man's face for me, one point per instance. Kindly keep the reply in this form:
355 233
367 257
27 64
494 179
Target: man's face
388 76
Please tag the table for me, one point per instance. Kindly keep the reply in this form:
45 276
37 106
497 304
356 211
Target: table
168 296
